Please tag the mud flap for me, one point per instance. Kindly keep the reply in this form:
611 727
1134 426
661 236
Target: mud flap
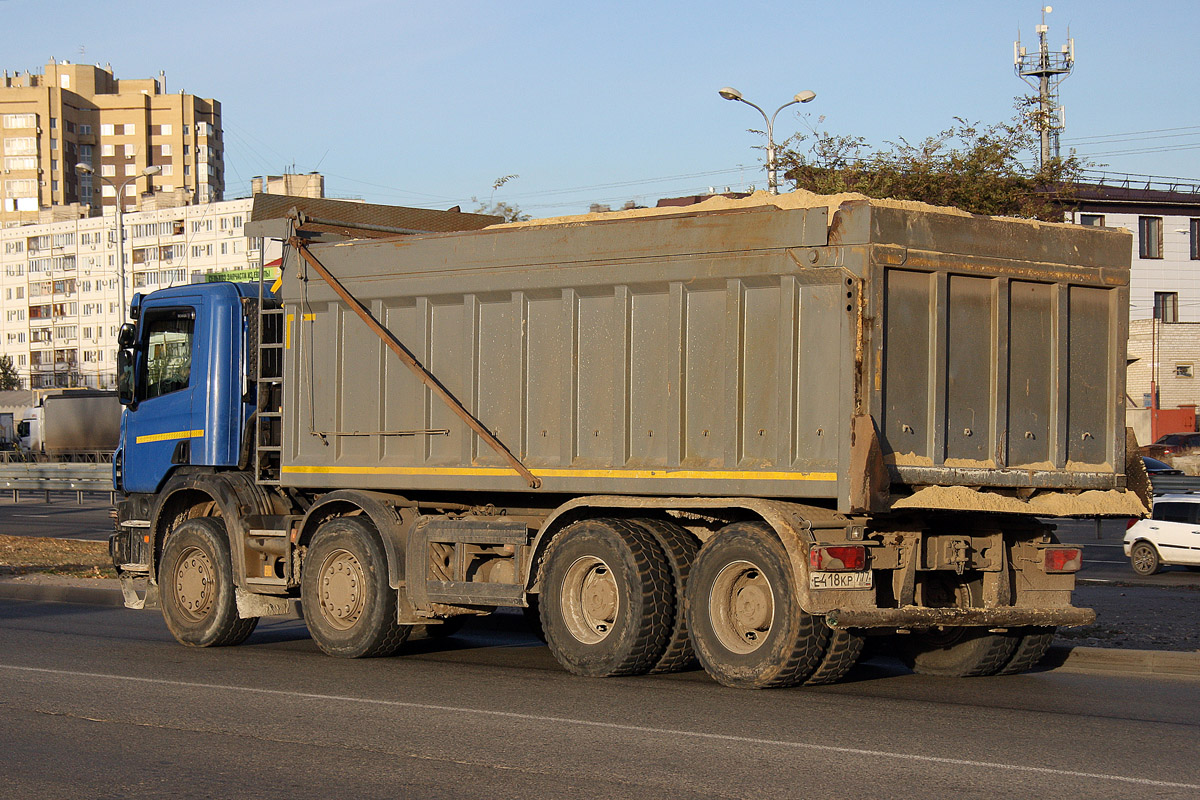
131 585
260 605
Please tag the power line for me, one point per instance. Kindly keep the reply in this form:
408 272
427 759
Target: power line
1134 133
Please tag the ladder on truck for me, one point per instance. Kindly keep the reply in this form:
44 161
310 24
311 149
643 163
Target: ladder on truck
268 377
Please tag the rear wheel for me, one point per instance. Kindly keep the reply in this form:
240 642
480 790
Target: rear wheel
348 605
1144 559
840 657
957 652
1032 644
680 548
606 606
747 625
195 578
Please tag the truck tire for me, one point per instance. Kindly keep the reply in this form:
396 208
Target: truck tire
1144 558
348 605
680 548
195 579
957 652
606 605
841 654
1032 644
747 625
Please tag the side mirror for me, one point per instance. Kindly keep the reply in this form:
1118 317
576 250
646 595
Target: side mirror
125 336
125 374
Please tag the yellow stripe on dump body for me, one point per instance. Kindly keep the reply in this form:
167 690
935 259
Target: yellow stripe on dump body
745 475
167 437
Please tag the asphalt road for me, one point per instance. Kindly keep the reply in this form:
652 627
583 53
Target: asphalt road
101 703
64 518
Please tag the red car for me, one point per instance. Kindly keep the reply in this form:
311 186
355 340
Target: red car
1172 444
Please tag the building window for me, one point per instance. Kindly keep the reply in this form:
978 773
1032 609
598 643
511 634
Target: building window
131 149
1150 237
106 130
1183 370
20 146
108 150
1166 306
1195 240
1094 220
108 170
165 130
20 120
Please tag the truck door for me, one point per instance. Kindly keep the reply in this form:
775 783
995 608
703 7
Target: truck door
159 430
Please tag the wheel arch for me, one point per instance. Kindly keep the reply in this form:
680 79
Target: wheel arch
231 495
391 517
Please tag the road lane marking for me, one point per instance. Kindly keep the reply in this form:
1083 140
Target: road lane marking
585 723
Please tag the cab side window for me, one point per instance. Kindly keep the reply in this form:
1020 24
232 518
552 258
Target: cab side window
168 352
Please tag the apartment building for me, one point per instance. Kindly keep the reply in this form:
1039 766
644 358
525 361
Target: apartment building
80 113
1164 219
59 292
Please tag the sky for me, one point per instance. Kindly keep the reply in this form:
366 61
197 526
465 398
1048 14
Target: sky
430 104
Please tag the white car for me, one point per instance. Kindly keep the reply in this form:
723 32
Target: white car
1170 536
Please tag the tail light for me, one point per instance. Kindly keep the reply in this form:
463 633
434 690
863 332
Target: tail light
1063 559
1129 523
838 557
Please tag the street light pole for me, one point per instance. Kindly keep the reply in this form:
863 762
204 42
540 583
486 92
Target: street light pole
87 169
729 93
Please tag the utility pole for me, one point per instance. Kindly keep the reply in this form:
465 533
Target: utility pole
1044 71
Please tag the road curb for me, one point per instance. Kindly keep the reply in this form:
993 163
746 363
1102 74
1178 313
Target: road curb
1170 663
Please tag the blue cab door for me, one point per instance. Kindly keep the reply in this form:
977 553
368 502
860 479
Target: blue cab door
159 431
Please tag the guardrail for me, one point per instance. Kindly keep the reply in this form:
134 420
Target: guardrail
1174 484
56 477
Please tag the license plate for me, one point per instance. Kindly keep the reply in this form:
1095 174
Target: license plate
840 580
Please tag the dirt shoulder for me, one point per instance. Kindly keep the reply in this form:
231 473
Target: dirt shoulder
72 558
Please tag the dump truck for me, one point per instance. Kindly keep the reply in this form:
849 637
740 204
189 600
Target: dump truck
748 434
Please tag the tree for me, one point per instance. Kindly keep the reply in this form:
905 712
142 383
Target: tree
984 169
9 379
509 212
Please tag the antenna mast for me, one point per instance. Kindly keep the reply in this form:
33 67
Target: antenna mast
1044 71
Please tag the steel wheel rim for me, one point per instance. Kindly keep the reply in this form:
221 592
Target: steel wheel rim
194 583
741 607
590 599
341 583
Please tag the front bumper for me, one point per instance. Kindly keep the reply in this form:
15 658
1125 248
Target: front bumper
919 617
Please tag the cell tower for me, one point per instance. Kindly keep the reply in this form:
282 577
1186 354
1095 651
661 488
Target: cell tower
1044 71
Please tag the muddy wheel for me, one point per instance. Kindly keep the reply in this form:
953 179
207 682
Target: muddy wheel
747 626
1144 559
1032 644
606 602
348 605
680 548
841 655
957 652
195 579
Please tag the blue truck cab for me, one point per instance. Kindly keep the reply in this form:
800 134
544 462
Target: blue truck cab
183 382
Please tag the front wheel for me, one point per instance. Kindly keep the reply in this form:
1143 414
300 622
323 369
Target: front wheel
747 625
1144 559
195 579
348 605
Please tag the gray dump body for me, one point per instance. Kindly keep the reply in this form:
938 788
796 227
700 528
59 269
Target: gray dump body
723 353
